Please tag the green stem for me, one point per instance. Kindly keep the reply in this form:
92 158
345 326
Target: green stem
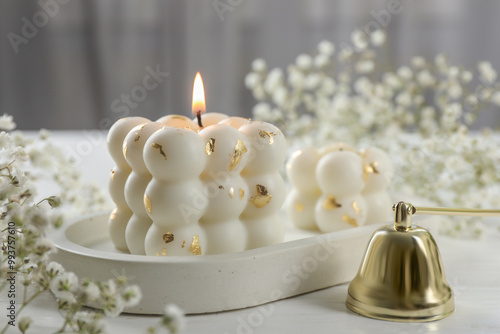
4 329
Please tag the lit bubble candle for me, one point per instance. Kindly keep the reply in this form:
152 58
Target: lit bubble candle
210 185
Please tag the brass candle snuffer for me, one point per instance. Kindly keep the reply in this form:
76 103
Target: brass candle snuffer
401 277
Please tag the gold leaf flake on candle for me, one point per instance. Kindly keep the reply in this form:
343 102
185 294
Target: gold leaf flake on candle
137 136
160 148
183 243
331 203
349 220
112 216
164 252
168 237
264 134
356 207
195 246
125 149
299 207
112 174
242 193
231 192
184 118
147 204
370 169
210 146
239 150
221 187
262 198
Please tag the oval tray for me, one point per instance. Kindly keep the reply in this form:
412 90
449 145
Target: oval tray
305 262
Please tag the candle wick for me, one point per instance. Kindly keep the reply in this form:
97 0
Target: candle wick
198 116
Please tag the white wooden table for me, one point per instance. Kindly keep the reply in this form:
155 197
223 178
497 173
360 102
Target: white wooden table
472 268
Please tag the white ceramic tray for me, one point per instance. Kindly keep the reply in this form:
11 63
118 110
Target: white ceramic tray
305 262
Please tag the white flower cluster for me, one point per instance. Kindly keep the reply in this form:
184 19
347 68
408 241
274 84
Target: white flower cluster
354 98
25 221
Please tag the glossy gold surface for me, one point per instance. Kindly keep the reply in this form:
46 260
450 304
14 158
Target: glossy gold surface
401 277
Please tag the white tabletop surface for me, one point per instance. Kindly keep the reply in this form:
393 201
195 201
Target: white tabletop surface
472 268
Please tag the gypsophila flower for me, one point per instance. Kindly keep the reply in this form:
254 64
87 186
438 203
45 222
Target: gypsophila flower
466 77
425 79
418 62
273 80
43 248
455 91
259 93
471 101
262 110
495 98
453 72
326 48
345 54
359 39
365 66
252 80
259 65
405 73
64 283
7 122
321 61
65 300
304 62
378 37
53 269
91 290
173 318
312 81
486 71
113 306
131 296
24 323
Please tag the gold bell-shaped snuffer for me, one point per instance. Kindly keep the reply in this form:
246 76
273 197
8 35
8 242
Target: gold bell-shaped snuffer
401 277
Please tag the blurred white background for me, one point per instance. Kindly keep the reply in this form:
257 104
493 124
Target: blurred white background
78 60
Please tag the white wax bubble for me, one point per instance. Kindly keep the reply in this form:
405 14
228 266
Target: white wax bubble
117 224
227 197
300 209
133 145
135 233
378 168
268 148
117 134
175 154
134 192
265 196
264 231
340 173
301 169
227 236
379 207
210 118
335 147
335 213
116 185
235 122
226 149
178 121
175 204
182 242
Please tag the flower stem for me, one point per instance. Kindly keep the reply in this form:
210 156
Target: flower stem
25 303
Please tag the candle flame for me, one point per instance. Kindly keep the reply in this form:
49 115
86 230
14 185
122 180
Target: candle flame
198 106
